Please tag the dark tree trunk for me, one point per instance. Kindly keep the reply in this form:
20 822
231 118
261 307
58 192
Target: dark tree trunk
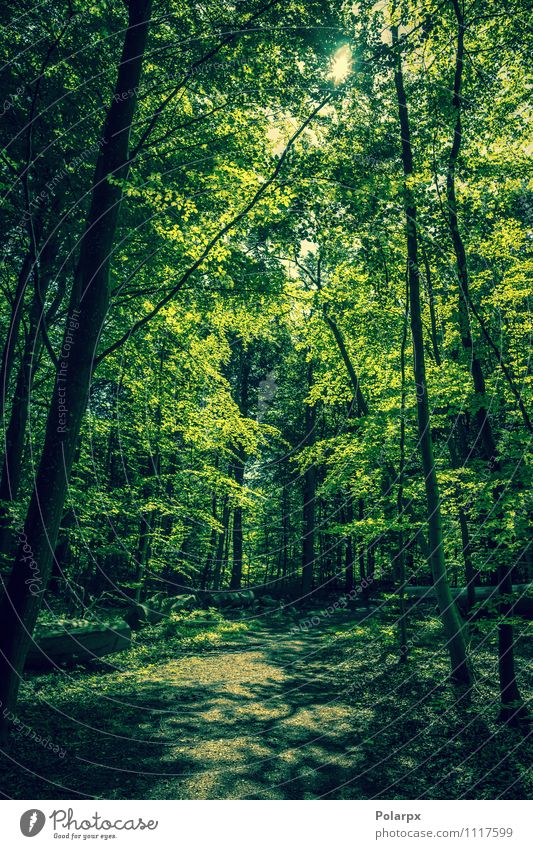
227 543
467 560
448 610
339 561
143 552
349 568
371 562
362 567
309 497
8 351
349 575
15 438
236 572
285 519
400 557
62 553
211 554
432 311
361 405
88 308
239 466
512 706
470 574
222 536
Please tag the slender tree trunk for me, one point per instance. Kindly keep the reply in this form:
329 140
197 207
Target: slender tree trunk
467 560
152 473
340 550
402 619
146 526
362 406
362 569
349 576
222 535
12 466
236 572
448 610
432 311
211 554
470 574
142 555
371 561
285 518
309 498
206 571
463 521
512 707
350 556
10 344
239 466
62 554
225 554
361 555
267 551
88 308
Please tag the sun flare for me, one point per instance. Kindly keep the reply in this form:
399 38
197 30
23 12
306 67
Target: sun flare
341 64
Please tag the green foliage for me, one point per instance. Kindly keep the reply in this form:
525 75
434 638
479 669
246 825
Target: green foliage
257 345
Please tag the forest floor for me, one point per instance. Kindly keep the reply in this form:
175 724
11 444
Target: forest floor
298 705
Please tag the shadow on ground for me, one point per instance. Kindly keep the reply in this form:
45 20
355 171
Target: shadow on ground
282 714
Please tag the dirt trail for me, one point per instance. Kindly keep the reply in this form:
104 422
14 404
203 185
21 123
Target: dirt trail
264 719
261 721
279 713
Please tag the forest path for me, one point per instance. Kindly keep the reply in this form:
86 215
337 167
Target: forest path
284 710
263 720
268 715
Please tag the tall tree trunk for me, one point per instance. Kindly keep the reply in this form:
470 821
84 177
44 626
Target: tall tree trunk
267 551
285 520
211 553
236 571
432 311
15 438
227 543
89 305
10 344
142 554
400 563
350 552
349 576
470 574
371 561
339 551
467 560
448 610
309 497
362 406
222 535
461 430
512 707
239 463
362 567
152 471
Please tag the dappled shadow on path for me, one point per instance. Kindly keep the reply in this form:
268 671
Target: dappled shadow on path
275 717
